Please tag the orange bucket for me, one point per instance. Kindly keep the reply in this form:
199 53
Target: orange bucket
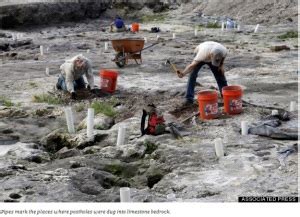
208 104
108 80
135 27
232 96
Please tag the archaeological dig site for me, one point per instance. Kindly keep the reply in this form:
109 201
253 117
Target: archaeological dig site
148 101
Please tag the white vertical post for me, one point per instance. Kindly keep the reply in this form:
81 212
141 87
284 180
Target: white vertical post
244 126
196 32
42 50
106 46
47 71
121 135
256 28
238 27
90 123
14 37
219 148
145 39
222 28
293 106
174 36
157 37
274 112
125 195
171 197
70 119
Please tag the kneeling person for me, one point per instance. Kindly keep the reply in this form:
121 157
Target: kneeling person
118 25
72 71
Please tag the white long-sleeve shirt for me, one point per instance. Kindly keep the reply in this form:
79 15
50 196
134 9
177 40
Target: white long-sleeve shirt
71 74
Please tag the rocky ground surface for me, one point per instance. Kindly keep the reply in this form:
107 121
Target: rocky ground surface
41 162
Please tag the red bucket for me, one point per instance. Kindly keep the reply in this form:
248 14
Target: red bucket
232 96
108 80
208 104
135 27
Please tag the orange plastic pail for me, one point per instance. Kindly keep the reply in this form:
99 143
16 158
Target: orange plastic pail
208 104
108 80
232 96
135 27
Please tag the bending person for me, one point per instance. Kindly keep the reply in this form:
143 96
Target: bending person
211 53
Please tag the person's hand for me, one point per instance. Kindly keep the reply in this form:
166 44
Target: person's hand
73 95
180 74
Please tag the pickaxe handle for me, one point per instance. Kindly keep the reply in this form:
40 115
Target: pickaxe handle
174 68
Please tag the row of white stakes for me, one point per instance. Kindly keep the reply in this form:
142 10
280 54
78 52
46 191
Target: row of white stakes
157 37
89 121
90 125
219 148
125 195
122 127
196 31
124 191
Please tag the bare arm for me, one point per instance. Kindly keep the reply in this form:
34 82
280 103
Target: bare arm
188 69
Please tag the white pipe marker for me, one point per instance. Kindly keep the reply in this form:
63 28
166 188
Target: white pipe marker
274 112
70 120
293 106
42 50
90 123
125 195
245 128
121 135
47 71
219 148
256 28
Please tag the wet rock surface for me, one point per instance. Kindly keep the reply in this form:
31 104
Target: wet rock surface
41 162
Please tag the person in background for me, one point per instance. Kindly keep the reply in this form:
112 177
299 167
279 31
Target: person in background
230 24
71 77
118 25
207 53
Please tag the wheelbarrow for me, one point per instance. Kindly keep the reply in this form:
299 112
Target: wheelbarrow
128 48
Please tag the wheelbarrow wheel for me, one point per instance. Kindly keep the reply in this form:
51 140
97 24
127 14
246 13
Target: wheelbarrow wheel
120 60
